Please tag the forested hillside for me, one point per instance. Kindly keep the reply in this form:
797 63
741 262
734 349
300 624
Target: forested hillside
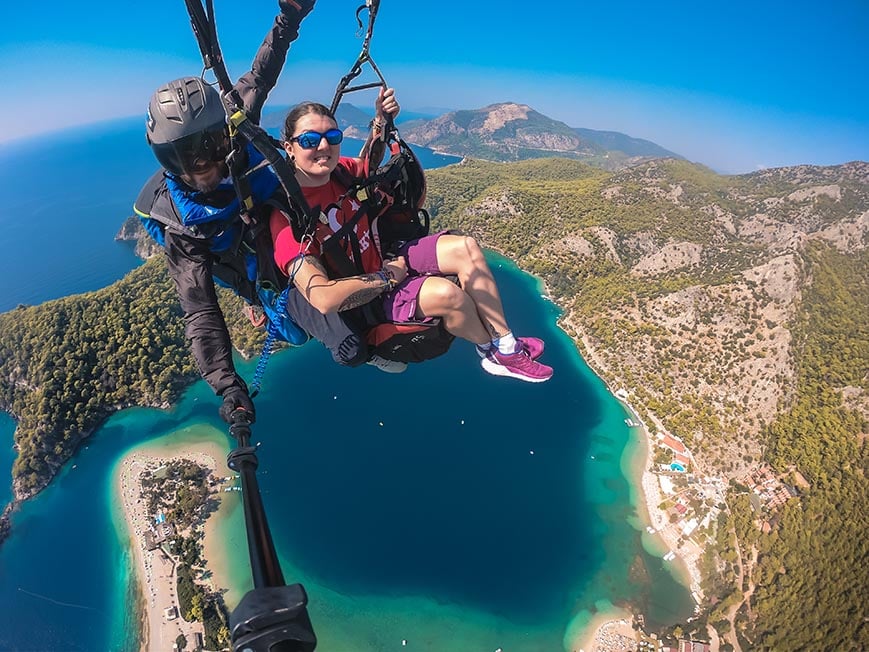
680 284
67 364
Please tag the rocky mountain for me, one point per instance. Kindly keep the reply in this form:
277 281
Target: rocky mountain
132 230
510 132
681 285
500 132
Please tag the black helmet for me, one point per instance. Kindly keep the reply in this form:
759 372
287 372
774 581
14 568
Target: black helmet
186 123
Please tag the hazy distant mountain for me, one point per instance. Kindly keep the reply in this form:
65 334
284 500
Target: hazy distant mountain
510 132
619 142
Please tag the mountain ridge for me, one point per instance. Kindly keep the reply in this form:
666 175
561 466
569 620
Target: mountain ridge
509 131
501 132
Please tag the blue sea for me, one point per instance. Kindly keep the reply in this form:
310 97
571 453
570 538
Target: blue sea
443 507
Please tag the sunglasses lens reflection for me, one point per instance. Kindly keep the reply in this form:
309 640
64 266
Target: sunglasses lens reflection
311 139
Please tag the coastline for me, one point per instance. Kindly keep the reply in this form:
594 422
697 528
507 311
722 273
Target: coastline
607 630
154 571
611 628
599 631
591 627
219 548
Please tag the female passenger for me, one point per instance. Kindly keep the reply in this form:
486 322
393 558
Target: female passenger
411 286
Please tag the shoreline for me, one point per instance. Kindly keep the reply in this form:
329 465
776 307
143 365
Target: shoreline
604 630
607 629
154 570
611 629
652 497
214 553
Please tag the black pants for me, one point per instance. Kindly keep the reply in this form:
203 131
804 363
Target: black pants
347 346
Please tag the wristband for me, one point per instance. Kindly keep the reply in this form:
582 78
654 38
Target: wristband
389 278
387 282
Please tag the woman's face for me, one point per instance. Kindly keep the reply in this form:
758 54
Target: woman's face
313 166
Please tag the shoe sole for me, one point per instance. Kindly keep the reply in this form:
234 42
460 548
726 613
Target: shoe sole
500 370
388 371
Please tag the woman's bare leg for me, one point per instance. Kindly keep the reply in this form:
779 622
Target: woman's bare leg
462 256
440 297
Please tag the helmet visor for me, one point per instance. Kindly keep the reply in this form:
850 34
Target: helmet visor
190 154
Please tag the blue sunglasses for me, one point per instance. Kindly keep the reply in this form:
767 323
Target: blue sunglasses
311 139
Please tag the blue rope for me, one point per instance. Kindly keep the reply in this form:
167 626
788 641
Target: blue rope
268 346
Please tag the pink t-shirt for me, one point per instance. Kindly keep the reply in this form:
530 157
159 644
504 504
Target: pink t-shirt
325 201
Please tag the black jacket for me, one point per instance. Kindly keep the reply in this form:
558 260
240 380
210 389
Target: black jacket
191 261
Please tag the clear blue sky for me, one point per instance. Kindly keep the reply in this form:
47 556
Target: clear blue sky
736 86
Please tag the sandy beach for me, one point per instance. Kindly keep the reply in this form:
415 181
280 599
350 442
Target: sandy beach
609 630
155 571
687 553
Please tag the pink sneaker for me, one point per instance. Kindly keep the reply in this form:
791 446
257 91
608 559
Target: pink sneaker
532 345
516 365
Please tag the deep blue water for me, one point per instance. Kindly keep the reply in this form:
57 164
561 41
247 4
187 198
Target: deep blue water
426 504
62 200
502 497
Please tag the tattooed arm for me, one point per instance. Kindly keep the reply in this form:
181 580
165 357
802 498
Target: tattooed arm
328 295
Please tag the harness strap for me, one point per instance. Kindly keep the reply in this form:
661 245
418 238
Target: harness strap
337 259
205 30
364 57
303 218
237 172
243 130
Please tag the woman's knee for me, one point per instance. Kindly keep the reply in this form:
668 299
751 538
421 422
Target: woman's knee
439 296
459 254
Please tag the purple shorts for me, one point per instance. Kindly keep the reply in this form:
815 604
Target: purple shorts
422 262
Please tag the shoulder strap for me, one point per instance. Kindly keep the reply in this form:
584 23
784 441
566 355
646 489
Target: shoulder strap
154 203
144 203
343 176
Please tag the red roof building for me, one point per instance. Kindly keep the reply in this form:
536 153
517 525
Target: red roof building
673 444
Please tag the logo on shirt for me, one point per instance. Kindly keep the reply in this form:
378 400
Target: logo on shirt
337 216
